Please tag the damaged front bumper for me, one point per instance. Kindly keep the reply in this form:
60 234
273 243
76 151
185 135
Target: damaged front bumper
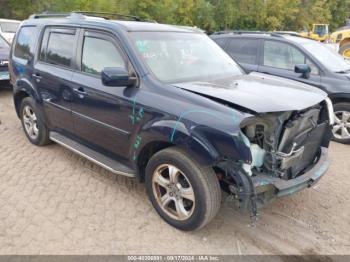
268 188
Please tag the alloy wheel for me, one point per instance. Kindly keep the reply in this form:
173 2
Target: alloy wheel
173 192
30 122
341 128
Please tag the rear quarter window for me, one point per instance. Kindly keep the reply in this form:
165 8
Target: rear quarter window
25 42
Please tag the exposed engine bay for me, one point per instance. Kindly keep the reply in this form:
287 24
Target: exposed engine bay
285 144
288 153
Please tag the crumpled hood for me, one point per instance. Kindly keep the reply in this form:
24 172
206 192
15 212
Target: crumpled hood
259 92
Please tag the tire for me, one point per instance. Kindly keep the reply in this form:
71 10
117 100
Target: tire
342 122
343 49
191 180
40 136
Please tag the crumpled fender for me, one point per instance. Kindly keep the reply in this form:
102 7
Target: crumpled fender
206 145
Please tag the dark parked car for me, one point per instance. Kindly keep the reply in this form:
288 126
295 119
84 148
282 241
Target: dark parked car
4 59
168 106
299 59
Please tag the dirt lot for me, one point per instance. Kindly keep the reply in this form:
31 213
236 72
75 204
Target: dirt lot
54 202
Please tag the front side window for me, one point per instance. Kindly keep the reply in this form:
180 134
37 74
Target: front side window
243 50
60 49
25 42
98 54
175 56
284 56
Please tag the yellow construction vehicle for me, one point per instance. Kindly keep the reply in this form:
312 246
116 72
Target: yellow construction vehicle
342 37
320 32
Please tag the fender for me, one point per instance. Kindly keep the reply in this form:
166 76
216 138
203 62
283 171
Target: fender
206 145
23 85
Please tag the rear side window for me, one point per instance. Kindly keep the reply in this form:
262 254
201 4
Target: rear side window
26 42
98 54
59 49
243 50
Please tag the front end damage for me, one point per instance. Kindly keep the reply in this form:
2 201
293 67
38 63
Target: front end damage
289 153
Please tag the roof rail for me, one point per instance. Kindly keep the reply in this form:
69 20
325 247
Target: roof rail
271 33
82 14
48 15
281 33
239 32
107 15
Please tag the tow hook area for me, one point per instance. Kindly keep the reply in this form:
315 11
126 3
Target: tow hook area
241 189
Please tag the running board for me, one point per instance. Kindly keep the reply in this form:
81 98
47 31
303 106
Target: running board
92 155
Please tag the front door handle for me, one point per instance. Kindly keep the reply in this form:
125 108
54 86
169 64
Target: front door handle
80 91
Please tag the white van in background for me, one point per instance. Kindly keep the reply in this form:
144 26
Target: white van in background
8 28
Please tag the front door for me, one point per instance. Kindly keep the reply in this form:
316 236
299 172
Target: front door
101 113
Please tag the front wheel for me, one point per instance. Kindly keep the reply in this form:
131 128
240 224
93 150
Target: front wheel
341 128
186 195
345 51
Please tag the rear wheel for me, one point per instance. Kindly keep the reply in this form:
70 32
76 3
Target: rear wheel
341 129
33 126
186 195
345 50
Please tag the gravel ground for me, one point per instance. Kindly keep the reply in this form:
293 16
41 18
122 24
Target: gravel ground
54 202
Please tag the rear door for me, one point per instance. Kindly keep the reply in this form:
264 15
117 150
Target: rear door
245 51
101 113
53 73
279 58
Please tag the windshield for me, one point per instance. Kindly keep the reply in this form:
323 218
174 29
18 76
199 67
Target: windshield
328 58
175 57
9 27
3 43
321 30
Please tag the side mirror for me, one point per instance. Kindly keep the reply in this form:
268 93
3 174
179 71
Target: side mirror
305 70
116 76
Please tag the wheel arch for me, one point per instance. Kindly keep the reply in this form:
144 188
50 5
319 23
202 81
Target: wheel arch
22 89
344 42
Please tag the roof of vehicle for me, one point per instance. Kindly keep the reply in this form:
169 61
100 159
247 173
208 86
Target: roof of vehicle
129 23
4 40
289 36
9 20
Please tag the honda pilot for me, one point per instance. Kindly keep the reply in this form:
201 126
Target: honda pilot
166 105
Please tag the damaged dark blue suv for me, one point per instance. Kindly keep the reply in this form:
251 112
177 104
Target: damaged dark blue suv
166 105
